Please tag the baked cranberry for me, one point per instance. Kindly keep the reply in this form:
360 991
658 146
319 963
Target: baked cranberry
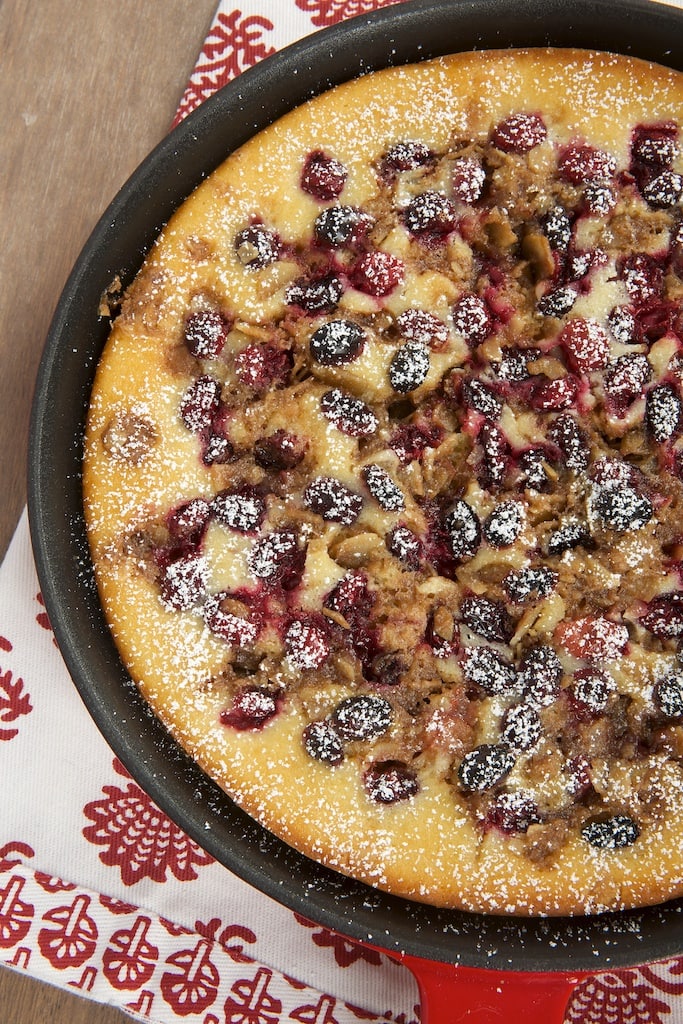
187 522
377 273
495 456
529 584
487 618
242 510
585 343
337 342
279 451
486 668
518 133
362 717
580 777
622 508
405 156
409 367
350 597
534 466
223 620
581 263
668 695
205 333
663 409
217 449
482 398
431 213
514 363
383 489
331 499
472 319
322 176
336 226
622 324
579 163
512 813
589 693
664 616
625 379
306 645
643 276
322 742
263 366
256 246
411 440
277 558
387 782
593 638
557 228
557 302
521 727
463 529
317 294
665 190
553 395
654 144
348 414
418 325
468 179
540 672
200 403
572 533
485 766
610 472
183 581
504 524
613 833
599 198
252 707
572 442
406 546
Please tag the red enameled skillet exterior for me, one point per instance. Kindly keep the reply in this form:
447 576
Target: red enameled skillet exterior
469 967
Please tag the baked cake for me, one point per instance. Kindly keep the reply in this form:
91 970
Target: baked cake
384 480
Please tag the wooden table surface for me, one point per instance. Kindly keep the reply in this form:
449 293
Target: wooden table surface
86 90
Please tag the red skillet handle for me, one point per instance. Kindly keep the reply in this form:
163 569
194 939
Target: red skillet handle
449 995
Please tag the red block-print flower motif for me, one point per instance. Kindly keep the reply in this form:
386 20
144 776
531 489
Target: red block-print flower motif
5 644
139 839
193 986
251 1003
329 12
231 938
117 906
72 939
346 951
14 853
234 43
616 997
15 914
130 958
14 702
319 1013
51 884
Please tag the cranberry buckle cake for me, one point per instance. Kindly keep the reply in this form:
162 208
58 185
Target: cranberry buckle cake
384 480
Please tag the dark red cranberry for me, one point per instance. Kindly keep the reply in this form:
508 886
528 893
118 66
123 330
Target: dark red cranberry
530 584
472 319
495 456
418 325
406 546
521 727
241 510
336 226
664 616
579 163
468 179
485 766
257 246
572 442
608 472
384 490
643 277
348 414
663 409
306 645
622 508
217 449
533 464
252 707
362 717
332 500
593 638
187 522
540 672
430 213
277 558
665 190
319 294
405 156
655 144
514 363
411 440
557 302
553 395
518 133
279 451
572 533
512 813
205 333
322 176
350 597
237 630
580 780
504 524
409 367
557 228
626 378
200 403
580 264
599 198
482 398
668 695
613 833
337 342
183 581
463 529
322 742
622 324
589 693
387 782
377 273
487 618
586 344
486 668
263 366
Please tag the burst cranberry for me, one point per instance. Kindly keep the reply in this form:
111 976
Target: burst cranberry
322 742
279 451
487 618
553 395
348 414
406 546
318 294
580 163
263 366
625 380
663 410
593 637
512 813
405 156
418 325
668 695
377 273
463 529
205 333
241 510
322 176
409 367
337 342
665 190
589 693
486 668
655 144
557 302
411 440
514 363
226 619
572 442
495 456
183 581
306 645
387 782
485 766
386 493
622 324
586 344
430 213
256 246
350 597
521 727
252 707
472 319
468 179
519 133
277 558
540 672
200 403
643 277
187 522
482 398
362 717
332 500
664 616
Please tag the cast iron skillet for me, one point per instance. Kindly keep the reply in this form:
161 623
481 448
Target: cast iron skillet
399 34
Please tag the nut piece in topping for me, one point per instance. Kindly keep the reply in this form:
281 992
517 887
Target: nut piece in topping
485 766
387 782
337 342
130 437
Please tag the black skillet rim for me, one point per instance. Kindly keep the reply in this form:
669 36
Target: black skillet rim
414 30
